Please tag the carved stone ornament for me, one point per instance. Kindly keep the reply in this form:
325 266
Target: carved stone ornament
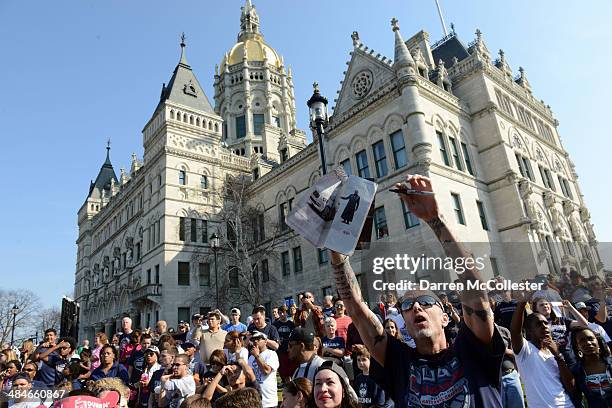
362 83
539 155
549 199
568 207
190 89
525 188
516 142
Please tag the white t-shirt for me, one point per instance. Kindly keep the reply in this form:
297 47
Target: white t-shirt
540 374
231 357
267 383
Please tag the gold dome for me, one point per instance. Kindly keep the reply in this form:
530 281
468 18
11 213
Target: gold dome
256 49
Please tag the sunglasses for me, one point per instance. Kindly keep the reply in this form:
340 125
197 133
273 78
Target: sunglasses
426 301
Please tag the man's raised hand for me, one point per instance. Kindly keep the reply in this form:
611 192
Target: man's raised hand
423 206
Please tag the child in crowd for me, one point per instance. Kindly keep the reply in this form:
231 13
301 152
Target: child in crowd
368 392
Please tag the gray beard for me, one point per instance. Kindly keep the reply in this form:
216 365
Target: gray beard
424 333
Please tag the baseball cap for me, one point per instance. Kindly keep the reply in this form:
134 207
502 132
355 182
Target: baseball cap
196 316
302 335
235 310
187 345
580 305
259 335
154 349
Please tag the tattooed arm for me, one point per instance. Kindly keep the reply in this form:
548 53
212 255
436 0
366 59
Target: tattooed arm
477 312
369 327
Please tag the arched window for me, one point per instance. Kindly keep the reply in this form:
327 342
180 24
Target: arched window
172 114
216 128
182 177
204 182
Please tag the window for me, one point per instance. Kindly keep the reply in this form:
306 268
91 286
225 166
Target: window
138 251
234 277
524 166
346 165
204 231
203 182
297 260
380 223
326 291
399 149
568 189
457 208
265 271
255 272
157 274
380 159
443 151
255 174
231 233
362 164
258 123
182 177
183 273
285 266
284 155
262 226
181 229
466 157
323 256
276 121
410 220
455 150
204 273
194 230
240 127
482 215
547 178
183 314
282 213
148 276
159 180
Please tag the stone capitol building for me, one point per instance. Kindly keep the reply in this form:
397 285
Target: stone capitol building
448 110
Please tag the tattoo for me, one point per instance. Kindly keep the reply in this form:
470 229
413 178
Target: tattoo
483 314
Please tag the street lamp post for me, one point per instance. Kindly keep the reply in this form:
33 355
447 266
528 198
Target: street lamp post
15 310
214 245
318 119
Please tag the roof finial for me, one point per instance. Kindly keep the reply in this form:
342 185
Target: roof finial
183 45
315 85
355 38
395 24
453 28
108 147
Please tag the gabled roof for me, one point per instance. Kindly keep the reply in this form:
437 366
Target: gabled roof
370 70
184 88
103 181
449 49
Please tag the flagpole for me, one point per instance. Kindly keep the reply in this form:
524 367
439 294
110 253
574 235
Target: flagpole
441 18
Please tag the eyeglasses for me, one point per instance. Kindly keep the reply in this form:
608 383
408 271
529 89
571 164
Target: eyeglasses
339 306
426 301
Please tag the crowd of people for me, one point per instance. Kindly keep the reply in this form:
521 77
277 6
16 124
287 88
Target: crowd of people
548 348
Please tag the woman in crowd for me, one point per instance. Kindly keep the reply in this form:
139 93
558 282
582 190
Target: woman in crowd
166 342
297 393
593 368
332 389
109 367
11 369
30 368
234 347
333 346
27 348
99 341
559 325
392 329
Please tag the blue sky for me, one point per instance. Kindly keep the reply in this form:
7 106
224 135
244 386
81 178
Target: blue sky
75 73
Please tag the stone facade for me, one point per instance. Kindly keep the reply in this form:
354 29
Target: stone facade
445 110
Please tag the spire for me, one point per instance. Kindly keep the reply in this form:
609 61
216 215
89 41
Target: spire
106 177
183 60
479 46
522 80
184 88
403 63
107 162
249 22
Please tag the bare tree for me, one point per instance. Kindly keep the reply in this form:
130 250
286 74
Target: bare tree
27 304
249 239
49 318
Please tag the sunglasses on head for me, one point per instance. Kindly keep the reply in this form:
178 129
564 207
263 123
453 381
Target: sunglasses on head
426 301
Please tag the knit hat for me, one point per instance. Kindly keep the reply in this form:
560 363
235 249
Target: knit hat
330 365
